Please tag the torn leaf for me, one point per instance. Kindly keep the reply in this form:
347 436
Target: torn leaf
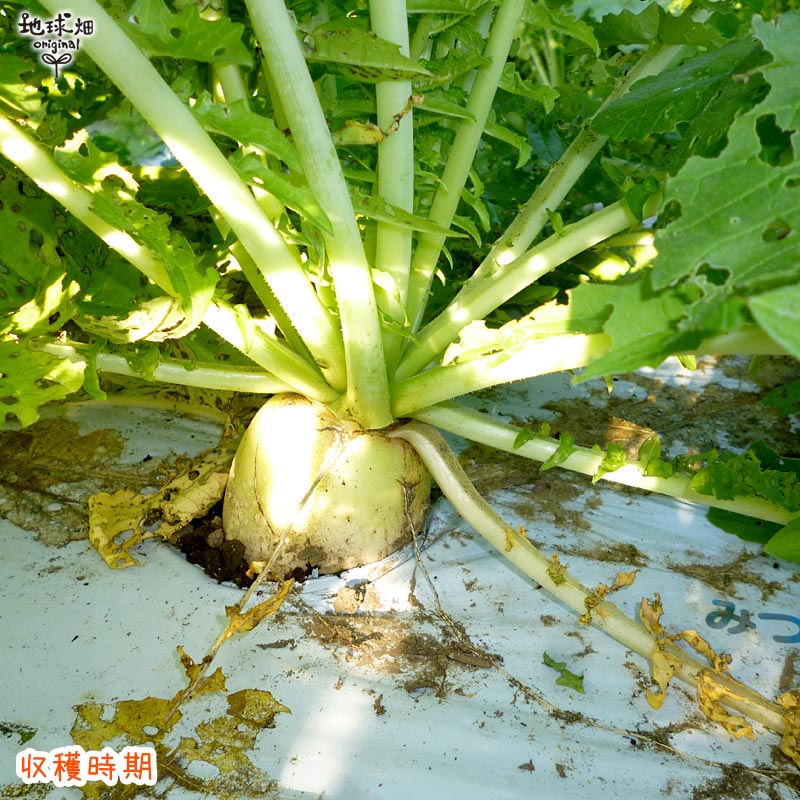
119 522
566 677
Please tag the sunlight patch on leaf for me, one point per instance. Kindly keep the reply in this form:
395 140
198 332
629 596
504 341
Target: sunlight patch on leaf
30 379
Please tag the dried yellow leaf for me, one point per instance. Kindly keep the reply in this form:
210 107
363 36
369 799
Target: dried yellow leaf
650 614
790 741
719 663
623 579
710 694
119 522
664 666
200 685
557 571
239 623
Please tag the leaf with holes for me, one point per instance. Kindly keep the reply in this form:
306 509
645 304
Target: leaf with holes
740 212
185 34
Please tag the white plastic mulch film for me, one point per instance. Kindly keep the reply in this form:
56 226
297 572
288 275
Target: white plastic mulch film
440 674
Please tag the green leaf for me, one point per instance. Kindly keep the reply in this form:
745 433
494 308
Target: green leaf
34 281
786 542
16 92
361 55
236 121
732 206
683 29
732 236
771 459
185 34
298 198
653 24
565 678
614 458
660 102
778 313
638 194
727 476
566 447
474 201
29 379
511 81
540 16
649 457
435 102
643 324
374 207
749 529
628 27
438 7
525 435
519 143
785 398
192 280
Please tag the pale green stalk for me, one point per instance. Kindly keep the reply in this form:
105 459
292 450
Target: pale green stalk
555 579
509 363
751 341
460 158
395 177
562 176
396 152
421 39
541 72
269 353
139 81
551 56
367 399
484 294
482 428
170 370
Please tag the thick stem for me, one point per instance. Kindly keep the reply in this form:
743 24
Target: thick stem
395 173
139 81
367 399
269 353
482 428
512 363
554 578
460 158
395 152
486 293
182 373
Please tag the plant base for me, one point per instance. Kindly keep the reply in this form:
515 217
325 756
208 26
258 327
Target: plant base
339 495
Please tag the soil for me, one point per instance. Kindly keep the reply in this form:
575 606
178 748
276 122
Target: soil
687 419
202 542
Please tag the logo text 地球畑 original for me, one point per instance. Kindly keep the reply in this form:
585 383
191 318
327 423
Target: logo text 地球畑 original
57 39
